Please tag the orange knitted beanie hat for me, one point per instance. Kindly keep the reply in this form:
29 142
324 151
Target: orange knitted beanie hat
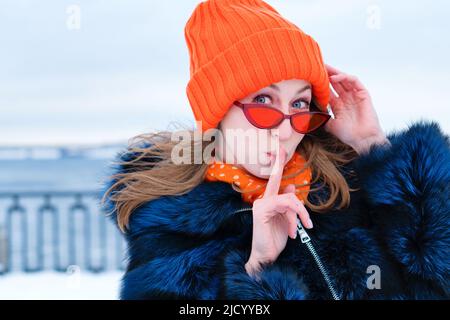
237 47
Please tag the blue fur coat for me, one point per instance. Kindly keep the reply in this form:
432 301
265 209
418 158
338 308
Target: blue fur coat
392 242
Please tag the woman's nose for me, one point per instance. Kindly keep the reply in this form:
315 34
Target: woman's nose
283 131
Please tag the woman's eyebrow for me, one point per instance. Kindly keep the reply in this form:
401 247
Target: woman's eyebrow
274 86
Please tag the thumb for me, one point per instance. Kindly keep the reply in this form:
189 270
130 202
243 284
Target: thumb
290 188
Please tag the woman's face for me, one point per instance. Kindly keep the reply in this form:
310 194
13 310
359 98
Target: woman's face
289 96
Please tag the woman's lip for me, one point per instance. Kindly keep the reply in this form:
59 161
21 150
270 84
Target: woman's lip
267 159
271 156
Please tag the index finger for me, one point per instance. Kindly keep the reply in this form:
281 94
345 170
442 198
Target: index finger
332 70
273 185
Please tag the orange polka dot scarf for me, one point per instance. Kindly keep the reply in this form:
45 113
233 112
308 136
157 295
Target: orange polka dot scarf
254 187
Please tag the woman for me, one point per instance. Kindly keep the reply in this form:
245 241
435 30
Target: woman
371 211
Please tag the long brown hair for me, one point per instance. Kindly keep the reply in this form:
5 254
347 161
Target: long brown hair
151 173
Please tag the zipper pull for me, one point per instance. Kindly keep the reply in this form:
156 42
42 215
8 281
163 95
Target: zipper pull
304 237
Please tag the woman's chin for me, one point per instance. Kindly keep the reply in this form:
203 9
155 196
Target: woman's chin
260 171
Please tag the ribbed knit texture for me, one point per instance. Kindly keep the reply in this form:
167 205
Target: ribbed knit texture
237 47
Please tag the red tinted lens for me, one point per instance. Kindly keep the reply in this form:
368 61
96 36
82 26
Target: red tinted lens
263 117
307 122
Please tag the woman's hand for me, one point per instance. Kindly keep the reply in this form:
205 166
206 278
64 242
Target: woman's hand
356 122
274 218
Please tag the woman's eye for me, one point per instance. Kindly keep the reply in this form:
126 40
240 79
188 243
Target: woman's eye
262 99
301 104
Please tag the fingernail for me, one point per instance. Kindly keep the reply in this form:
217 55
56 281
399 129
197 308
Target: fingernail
310 224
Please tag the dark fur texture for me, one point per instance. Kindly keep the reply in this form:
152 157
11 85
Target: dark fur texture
194 247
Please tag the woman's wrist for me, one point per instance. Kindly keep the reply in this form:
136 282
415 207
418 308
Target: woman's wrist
253 268
363 146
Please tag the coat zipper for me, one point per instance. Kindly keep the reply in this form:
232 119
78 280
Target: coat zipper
305 239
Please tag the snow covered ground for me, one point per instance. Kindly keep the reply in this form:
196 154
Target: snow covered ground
52 285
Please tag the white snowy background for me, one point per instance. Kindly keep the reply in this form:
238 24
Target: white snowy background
48 285
102 71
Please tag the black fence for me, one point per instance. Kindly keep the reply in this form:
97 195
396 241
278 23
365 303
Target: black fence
57 231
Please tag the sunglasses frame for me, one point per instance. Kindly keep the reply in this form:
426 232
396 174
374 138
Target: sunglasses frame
245 106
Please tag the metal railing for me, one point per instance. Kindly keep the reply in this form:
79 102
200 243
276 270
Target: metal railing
57 230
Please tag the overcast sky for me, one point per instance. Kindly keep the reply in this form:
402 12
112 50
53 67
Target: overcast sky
124 70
